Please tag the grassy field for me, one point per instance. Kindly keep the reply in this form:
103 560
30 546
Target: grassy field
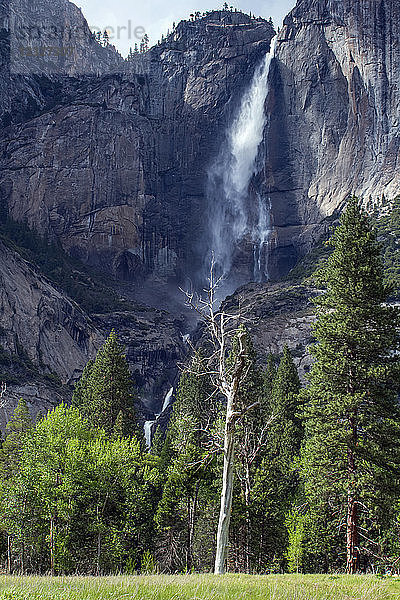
201 587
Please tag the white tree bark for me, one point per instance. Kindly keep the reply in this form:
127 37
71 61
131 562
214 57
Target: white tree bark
227 380
226 493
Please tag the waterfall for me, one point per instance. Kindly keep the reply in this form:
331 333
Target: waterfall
233 218
148 425
261 236
167 400
147 432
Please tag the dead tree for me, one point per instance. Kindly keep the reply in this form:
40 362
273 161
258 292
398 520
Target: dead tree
227 377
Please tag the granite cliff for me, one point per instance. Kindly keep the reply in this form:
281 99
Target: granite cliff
334 115
109 159
115 168
46 338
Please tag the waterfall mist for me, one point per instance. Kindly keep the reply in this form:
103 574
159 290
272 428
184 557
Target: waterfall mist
239 213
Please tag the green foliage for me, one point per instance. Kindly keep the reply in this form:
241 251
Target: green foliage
76 279
148 563
189 487
105 394
388 231
79 500
286 431
251 435
276 479
296 523
17 429
352 414
77 491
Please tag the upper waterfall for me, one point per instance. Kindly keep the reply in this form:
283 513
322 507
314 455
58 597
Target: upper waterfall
233 217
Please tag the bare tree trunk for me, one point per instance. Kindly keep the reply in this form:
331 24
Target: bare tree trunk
226 494
227 380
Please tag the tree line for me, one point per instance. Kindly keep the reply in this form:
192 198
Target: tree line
255 473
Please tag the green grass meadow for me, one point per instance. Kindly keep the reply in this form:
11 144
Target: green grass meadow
201 587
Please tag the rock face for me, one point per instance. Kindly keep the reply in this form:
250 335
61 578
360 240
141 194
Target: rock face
115 169
278 315
46 339
334 115
52 330
110 158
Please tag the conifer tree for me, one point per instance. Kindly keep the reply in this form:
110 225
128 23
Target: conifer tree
351 457
106 39
277 479
80 395
269 375
286 429
106 392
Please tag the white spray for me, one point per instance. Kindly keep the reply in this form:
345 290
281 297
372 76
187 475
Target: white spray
231 175
148 425
147 432
167 400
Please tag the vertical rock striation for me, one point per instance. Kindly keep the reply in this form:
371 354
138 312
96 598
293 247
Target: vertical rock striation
335 110
115 167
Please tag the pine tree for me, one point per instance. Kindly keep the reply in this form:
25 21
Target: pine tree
269 375
106 392
80 397
351 458
277 478
286 429
144 44
106 39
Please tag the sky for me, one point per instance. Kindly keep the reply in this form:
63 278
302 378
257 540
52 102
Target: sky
133 17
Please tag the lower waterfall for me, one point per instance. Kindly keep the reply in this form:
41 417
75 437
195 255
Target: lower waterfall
147 432
238 213
148 425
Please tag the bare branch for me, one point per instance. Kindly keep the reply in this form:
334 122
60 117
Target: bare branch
227 378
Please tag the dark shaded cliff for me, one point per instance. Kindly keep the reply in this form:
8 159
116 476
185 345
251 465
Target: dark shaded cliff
46 339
